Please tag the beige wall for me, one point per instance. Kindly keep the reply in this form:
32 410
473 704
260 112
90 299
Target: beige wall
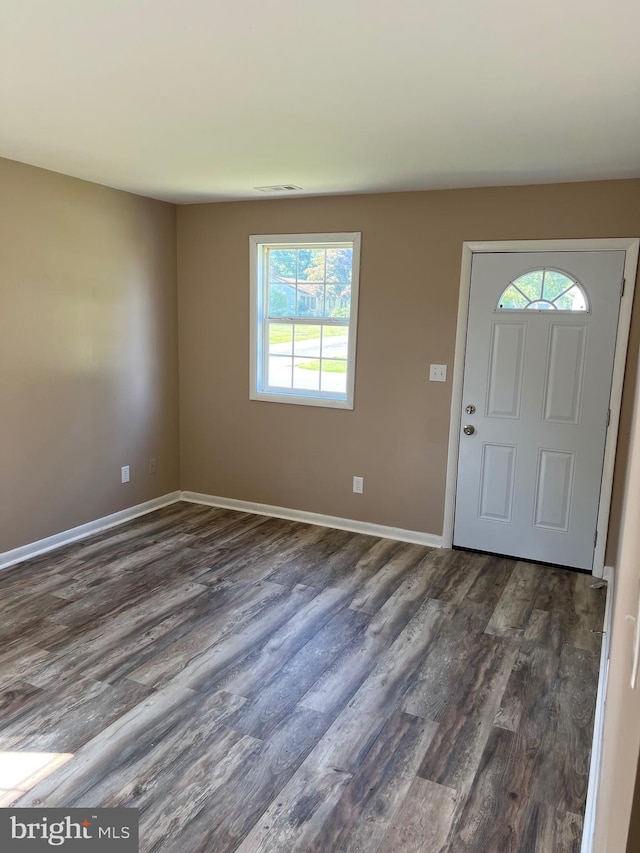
88 351
396 437
621 739
633 840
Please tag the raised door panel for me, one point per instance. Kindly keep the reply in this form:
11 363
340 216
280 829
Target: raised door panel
554 489
506 363
564 373
496 482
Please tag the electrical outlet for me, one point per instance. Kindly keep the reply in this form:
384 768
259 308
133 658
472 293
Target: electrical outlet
437 373
153 466
124 474
358 485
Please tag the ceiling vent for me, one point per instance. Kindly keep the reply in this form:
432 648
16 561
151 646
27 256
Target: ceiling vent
279 188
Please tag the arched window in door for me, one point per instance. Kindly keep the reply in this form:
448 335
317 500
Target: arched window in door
544 290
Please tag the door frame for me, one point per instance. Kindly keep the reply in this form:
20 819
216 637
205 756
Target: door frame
631 246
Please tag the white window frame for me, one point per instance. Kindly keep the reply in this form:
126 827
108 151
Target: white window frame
259 389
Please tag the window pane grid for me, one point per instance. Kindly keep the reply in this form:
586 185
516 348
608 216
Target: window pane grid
311 280
305 319
299 350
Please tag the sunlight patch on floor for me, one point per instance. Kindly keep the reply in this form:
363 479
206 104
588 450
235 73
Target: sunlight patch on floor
20 771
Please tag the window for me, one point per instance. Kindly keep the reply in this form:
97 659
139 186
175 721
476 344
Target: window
304 302
544 290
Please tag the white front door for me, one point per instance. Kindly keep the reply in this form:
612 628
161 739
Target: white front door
538 364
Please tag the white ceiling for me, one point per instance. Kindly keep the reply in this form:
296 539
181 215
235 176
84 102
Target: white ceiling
190 100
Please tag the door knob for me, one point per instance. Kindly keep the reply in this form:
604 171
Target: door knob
471 409
469 430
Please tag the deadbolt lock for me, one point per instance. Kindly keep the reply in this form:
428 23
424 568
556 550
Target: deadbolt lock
469 430
471 409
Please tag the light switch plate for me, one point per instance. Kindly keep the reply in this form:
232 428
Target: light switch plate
437 373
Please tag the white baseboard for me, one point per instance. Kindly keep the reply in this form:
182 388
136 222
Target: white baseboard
33 549
381 530
26 552
598 722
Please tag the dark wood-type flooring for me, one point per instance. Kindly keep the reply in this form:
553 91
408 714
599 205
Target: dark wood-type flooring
254 684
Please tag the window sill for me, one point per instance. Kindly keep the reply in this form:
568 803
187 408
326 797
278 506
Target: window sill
298 400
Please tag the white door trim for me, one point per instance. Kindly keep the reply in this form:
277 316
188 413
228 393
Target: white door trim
589 821
630 245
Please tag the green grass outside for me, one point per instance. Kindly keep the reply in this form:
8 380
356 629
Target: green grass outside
281 334
328 365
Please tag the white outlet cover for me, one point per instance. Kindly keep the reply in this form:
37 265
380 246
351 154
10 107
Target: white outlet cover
358 485
124 474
